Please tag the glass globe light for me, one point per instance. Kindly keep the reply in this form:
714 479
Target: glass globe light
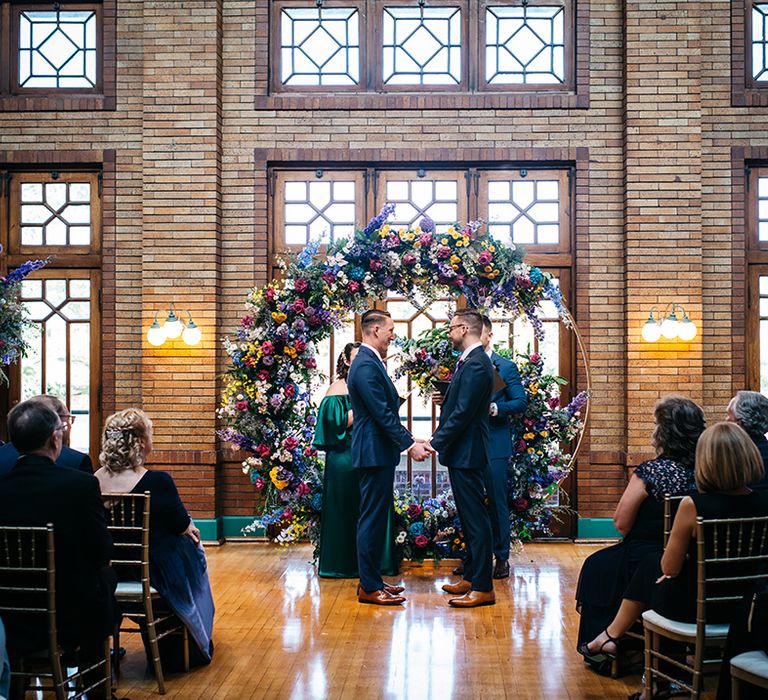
687 329
651 331
670 326
173 325
156 334
192 333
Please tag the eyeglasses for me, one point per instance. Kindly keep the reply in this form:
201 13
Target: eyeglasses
69 419
458 325
61 426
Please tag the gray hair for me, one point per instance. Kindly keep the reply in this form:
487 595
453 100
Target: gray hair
31 424
751 410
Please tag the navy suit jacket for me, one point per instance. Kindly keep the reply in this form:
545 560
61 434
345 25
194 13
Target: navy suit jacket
461 438
72 459
378 437
762 444
510 401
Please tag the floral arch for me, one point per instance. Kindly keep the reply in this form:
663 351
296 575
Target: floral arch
266 405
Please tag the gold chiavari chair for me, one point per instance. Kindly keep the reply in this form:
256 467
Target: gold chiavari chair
28 591
138 600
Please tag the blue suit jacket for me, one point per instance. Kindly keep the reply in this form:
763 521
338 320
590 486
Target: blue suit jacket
461 439
72 459
378 437
509 401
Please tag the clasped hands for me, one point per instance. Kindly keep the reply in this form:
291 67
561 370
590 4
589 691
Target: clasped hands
420 450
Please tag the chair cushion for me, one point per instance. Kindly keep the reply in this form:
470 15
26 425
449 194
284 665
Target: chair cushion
132 589
754 662
683 628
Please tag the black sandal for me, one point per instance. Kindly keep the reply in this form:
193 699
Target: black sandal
600 654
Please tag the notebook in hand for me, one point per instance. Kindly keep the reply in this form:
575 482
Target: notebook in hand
498 383
441 386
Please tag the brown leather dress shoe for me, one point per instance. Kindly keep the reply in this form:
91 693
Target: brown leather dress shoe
394 590
473 599
379 598
459 588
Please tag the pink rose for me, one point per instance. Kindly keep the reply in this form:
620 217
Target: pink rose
443 252
329 277
353 287
259 483
309 452
485 257
287 514
409 259
521 504
421 541
290 390
554 402
414 510
535 357
299 305
425 239
300 346
521 446
263 375
241 405
247 321
263 450
270 293
310 363
267 348
290 443
301 285
375 265
302 489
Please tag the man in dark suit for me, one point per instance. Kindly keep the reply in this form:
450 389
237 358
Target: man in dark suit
461 441
749 409
378 438
69 458
37 492
505 404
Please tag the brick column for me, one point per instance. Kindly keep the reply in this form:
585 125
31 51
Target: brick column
662 203
180 260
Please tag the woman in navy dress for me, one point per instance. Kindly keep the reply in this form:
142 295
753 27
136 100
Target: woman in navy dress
177 566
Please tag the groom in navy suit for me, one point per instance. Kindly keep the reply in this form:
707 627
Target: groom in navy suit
461 441
378 438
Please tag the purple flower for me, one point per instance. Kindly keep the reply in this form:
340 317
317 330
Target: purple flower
378 221
15 276
282 332
577 404
275 400
427 225
299 325
268 360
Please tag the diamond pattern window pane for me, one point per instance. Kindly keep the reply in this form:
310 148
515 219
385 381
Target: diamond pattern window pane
57 49
318 210
524 212
524 45
55 213
59 360
414 199
422 46
760 42
762 209
320 46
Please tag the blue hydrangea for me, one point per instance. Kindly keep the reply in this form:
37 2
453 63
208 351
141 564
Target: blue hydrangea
416 529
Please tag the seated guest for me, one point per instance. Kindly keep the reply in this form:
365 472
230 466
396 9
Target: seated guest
726 462
68 458
36 492
639 515
749 409
177 564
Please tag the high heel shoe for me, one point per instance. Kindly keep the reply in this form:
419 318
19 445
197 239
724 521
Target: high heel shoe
601 654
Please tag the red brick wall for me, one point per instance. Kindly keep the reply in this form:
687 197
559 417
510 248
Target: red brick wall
653 210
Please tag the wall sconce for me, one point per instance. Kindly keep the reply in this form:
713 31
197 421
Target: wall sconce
173 327
668 325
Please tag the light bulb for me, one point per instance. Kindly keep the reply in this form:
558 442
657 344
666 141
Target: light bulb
670 326
156 334
651 331
687 329
192 333
173 325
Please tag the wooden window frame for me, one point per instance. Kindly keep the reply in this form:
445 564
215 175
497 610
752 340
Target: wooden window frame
756 264
14 98
473 93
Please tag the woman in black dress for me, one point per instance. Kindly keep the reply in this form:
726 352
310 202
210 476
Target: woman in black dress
639 516
726 461
177 566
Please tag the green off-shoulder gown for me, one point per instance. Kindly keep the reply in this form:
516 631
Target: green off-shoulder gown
341 496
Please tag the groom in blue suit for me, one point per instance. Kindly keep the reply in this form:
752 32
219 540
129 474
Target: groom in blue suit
461 441
378 438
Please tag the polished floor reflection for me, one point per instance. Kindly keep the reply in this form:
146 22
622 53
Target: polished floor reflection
281 632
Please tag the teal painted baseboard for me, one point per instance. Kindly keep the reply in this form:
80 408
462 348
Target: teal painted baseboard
215 529
597 528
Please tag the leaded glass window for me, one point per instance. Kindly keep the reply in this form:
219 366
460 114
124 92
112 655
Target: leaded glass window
437 197
762 208
525 44
59 359
421 46
319 46
760 42
57 49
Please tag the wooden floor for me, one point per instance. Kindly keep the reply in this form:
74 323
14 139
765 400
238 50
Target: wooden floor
281 632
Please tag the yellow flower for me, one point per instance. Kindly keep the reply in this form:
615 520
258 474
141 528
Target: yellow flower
529 436
454 235
492 248
291 352
544 433
488 268
451 230
455 267
456 541
530 450
465 240
443 241
411 236
278 316
455 259
417 244
442 372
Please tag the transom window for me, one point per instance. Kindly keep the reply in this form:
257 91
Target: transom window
443 45
57 48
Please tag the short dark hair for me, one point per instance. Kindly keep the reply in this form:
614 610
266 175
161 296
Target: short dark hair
472 319
342 364
487 323
372 317
679 423
31 424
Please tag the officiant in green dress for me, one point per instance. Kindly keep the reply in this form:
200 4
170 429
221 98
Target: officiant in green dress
341 483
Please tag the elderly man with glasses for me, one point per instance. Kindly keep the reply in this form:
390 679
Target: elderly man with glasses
72 459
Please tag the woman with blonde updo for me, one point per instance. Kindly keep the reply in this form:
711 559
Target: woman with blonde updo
177 565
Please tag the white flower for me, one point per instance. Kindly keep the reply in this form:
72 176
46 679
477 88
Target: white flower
400 537
336 259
